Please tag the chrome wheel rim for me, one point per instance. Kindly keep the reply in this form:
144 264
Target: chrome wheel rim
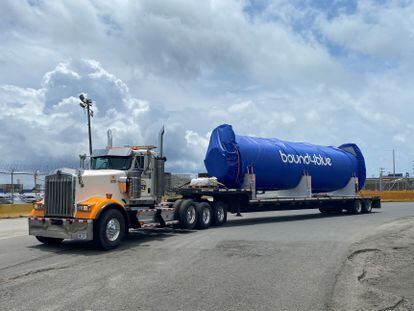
220 214
191 214
369 206
206 215
358 207
113 229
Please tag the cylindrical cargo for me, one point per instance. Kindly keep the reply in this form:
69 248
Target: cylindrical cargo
278 164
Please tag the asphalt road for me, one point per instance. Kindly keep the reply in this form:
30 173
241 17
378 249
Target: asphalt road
262 261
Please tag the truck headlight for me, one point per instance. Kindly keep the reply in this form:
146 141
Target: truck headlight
38 206
84 207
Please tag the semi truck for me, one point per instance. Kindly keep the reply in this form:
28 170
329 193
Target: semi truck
123 188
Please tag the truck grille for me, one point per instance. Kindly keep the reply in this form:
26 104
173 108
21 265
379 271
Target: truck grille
59 195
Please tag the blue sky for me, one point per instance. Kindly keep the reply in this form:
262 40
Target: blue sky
326 72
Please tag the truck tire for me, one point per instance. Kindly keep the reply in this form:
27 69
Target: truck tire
355 208
219 213
109 230
48 241
176 207
187 214
203 215
367 206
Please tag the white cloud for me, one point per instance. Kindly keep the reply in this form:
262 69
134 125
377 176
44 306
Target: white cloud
384 31
195 65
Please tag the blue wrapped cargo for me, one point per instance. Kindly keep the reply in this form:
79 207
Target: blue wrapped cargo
278 164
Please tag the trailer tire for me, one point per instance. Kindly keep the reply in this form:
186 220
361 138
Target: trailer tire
219 213
48 241
367 206
203 215
355 208
109 229
187 214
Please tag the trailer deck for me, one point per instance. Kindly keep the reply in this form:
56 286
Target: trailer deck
241 201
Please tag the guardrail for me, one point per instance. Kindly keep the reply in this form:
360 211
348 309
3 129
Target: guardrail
390 196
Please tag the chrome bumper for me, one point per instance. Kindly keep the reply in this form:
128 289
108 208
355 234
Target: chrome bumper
63 228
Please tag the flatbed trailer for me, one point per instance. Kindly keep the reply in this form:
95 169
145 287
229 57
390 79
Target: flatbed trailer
202 207
240 201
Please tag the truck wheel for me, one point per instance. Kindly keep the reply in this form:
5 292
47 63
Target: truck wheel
187 214
176 207
203 215
49 241
109 230
367 206
219 213
355 208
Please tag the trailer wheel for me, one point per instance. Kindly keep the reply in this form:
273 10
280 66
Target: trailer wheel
367 206
109 230
203 215
48 241
355 208
219 213
187 214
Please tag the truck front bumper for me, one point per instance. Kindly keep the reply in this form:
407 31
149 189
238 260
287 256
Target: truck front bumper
62 228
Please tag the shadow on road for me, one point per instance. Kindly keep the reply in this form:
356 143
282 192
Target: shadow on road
133 239
285 218
138 238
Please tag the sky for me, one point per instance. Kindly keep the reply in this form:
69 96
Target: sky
325 72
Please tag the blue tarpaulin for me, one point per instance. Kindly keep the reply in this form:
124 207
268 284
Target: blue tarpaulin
280 164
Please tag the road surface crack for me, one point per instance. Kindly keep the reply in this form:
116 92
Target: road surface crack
360 251
41 270
394 306
362 275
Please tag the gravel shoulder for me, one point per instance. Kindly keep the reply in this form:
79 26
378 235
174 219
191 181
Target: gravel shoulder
378 272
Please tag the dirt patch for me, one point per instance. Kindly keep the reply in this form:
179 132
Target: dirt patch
378 273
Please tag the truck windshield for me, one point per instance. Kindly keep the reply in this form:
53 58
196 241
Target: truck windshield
115 163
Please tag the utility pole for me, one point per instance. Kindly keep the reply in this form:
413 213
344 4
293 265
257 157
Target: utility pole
36 172
12 185
393 162
381 187
86 103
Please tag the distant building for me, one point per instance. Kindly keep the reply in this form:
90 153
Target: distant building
178 180
167 182
175 180
396 175
17 188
